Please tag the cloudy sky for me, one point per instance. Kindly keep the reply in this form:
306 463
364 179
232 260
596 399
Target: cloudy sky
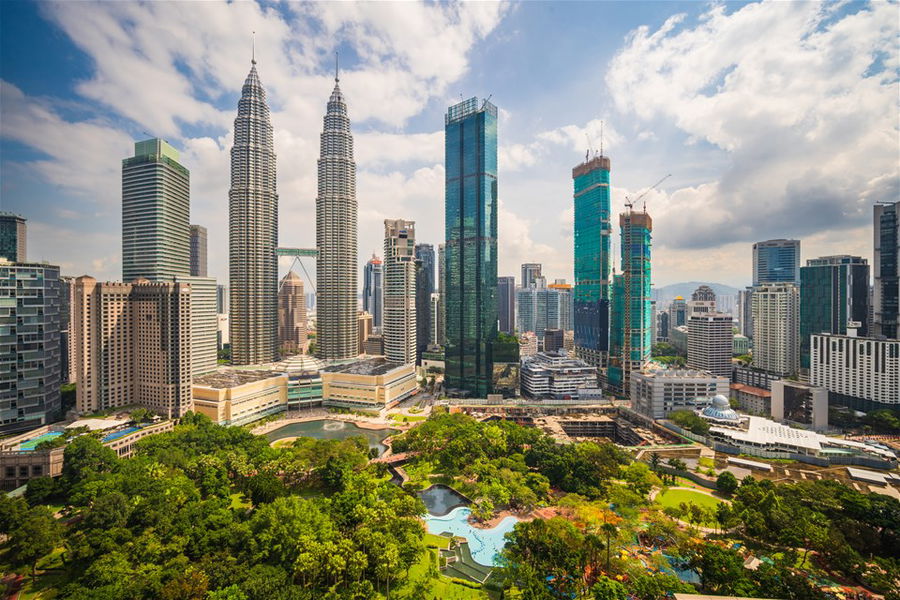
774 119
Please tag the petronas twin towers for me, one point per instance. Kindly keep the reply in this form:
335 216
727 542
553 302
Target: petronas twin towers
253 232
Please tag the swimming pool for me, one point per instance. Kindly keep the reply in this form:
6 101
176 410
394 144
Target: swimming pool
44 437
118 434
484 544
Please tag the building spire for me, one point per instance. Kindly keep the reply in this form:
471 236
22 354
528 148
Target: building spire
336 68
601 138
253 51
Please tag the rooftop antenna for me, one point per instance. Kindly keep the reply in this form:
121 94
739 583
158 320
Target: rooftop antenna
590 146
253 51
336 68
486 100
601 138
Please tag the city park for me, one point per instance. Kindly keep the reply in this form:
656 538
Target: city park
445 507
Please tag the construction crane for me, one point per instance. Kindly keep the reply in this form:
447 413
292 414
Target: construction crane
630 204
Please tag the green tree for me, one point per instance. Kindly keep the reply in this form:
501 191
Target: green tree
232 592
36 536
726 483
608 589
12 510
40 490
84 458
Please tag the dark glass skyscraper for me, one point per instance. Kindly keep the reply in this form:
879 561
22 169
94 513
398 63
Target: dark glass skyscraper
470 158
12 237
834 290
592 258
776 261
506 303
424 289
373 292
887 270
252 230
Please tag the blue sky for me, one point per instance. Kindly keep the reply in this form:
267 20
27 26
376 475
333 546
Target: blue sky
774 119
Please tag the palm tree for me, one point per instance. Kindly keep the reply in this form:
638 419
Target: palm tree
610 530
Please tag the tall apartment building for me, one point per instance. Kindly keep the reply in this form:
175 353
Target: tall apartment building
710 341
13 237
336 235
66 343
776 261
543 307
593 258
437 318
144 330
399 291
221 299
886 296
441 318
291 315
745 311
470 222
30 352
204 323
253 230
506 304
530 273
659 392
156 228
630 329
566 298
776 328
860 373
834 292
424 289
198 251
373 292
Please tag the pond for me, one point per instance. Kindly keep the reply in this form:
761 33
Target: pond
440 499
484 544
329 429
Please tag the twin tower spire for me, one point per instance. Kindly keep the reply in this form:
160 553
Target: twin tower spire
253 231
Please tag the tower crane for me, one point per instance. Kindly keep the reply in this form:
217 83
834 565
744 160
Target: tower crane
630 204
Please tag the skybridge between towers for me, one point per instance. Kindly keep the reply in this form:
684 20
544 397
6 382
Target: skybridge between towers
298 253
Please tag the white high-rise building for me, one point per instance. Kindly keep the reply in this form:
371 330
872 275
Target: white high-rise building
336 236
399 290
660 392
253 230
204 323
776 328
710 341
862 373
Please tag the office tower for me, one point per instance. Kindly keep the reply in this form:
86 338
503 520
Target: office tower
13 237
506 304
553 340
204 323
630 323
710 341
424 289
399 291
336 235
253 230
543 307
530 272
373 295
364 328
441 333
886 294
776 328
678 312
745 311
30 345
471 245
198 251
834 291
436 319
860 373
66 342
291 315
221 299
156 231
565 300
662 326
704 293
776 261
593 260
144 328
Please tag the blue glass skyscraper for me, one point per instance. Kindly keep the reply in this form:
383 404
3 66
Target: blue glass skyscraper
592 258
776 261
470 269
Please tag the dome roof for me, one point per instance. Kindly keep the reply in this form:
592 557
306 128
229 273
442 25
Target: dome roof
299 363
720 410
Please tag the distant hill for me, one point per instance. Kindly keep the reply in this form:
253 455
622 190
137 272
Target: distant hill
685 289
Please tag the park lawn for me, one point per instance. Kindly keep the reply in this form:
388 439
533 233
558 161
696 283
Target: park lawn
438 541
436 588
407 418
238 501
676 497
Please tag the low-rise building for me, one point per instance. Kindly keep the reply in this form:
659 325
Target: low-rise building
752 376
369 384
740 345
657 393
800 403
753 400
304 386
237 396
555 375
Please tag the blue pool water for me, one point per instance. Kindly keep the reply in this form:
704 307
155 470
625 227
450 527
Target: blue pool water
44 437
117 434
485 544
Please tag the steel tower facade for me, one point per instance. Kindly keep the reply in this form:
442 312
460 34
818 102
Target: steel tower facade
253 230
336 236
